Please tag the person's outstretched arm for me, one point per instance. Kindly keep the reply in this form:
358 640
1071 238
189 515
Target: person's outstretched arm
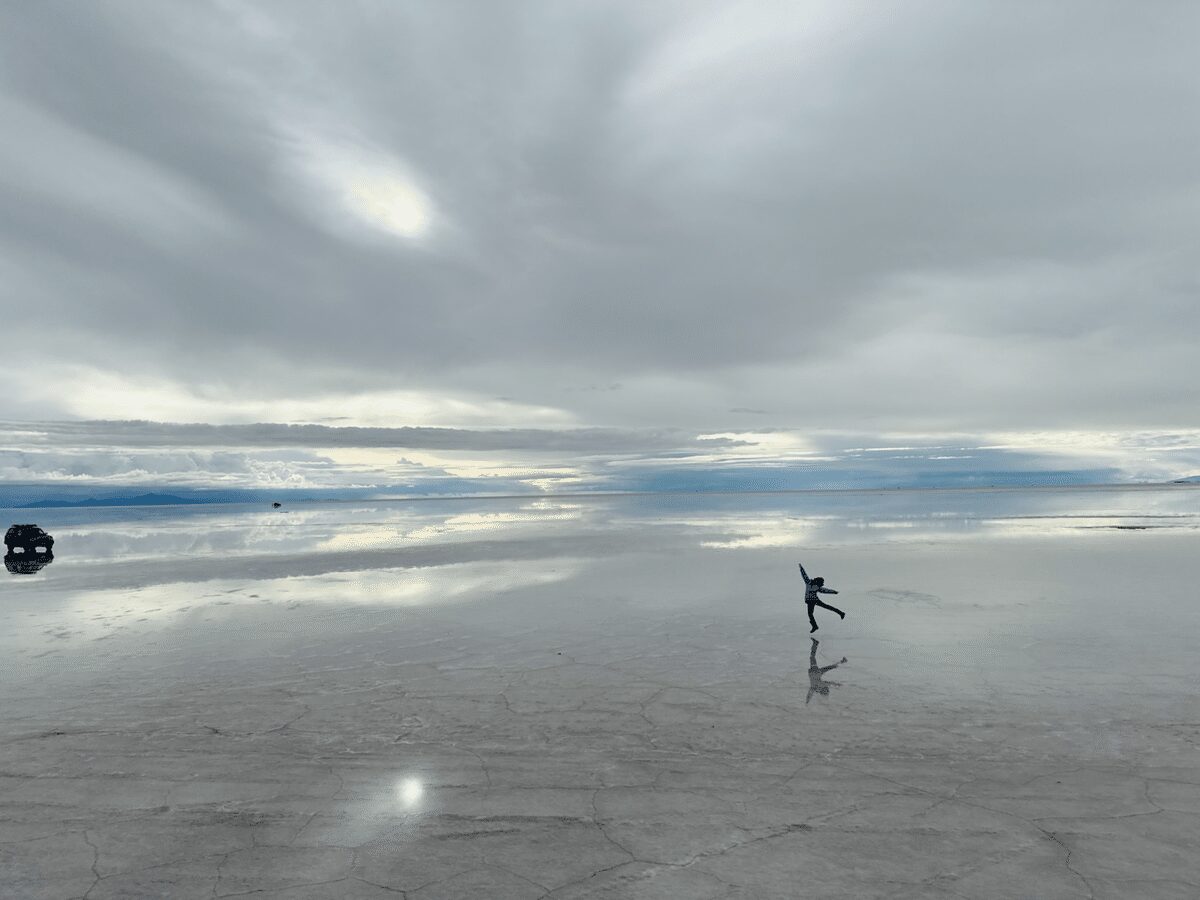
803 574
825 590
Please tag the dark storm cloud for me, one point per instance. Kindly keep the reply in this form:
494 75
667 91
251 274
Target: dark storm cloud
974 214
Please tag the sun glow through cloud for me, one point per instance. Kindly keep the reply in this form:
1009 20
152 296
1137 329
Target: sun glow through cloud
390 203
357 184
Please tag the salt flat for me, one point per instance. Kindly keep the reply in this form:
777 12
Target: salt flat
608 698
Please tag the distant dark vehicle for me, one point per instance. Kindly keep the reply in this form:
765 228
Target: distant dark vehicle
29 549
276 505
27 539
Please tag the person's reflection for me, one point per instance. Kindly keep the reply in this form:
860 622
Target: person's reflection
817 685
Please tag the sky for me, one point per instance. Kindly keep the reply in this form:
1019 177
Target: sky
537 246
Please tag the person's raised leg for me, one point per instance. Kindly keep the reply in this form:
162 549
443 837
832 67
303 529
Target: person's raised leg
831 608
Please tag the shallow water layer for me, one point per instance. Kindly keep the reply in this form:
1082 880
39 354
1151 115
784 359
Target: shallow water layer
608 697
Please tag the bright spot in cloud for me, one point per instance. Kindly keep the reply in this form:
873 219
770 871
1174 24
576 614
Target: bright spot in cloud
359 184
390 203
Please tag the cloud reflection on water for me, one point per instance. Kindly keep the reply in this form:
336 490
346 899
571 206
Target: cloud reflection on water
134 549
98 611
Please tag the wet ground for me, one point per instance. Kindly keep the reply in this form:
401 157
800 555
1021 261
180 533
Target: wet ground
608 698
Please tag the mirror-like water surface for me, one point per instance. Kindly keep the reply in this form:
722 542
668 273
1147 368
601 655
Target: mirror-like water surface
599 694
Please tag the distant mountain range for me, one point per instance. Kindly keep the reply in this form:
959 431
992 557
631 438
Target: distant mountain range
42 496
54 496
139 500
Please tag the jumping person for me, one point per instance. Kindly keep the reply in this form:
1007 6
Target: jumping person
812 587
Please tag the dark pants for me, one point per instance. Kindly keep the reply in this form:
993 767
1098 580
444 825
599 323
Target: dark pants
814 603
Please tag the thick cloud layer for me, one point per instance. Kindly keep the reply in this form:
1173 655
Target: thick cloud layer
925 216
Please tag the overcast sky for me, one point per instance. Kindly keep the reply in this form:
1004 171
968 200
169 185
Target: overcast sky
772 221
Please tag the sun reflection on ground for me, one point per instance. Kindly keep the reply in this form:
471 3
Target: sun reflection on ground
409 792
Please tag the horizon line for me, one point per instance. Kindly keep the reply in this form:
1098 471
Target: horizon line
579 495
